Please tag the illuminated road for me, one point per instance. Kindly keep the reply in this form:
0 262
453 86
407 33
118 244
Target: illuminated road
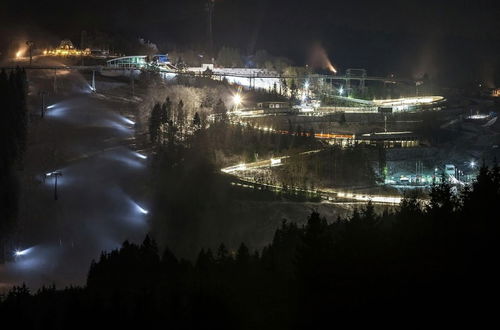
327 195
99 203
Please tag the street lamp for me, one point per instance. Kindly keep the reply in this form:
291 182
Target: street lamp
341 90
472 164
30 45
42 94
142 210
18 253
237 101
55 174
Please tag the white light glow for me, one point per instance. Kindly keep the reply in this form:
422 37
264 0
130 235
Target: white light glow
117 126
409 101
128 121
478 116
237 99
57 112
19 253
275 161
141 156
127 159
53 173
141 210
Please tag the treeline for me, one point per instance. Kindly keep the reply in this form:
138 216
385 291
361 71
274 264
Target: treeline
419 261
198 94
253 144
13 132
230 57
332 167
186 170
189 149
170 124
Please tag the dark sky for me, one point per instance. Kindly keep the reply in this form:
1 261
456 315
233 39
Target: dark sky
443 38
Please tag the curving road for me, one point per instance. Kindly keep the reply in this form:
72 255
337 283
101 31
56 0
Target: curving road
328 195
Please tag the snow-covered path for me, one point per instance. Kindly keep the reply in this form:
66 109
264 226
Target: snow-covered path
99 203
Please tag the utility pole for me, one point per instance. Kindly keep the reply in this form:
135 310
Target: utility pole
42 109
30 44
55 174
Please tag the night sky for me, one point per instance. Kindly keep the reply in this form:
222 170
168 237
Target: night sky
451 40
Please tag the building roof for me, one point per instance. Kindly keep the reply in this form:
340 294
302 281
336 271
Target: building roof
388 136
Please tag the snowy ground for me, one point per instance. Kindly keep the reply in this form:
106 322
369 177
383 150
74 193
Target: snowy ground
246 77
89 138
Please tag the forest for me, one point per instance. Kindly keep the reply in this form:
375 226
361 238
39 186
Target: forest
13 134
423 260
188 153
331 167
420 260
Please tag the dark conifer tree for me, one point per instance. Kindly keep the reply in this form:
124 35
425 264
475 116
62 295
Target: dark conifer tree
196 121
166 111
13 137
155 123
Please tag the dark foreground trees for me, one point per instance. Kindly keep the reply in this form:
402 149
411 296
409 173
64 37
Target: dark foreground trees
420 262
13 128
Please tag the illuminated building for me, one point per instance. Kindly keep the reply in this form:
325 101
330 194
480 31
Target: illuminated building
389 139
66 48
161 62
410 104
128 62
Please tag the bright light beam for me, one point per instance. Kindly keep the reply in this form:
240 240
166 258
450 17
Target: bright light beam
140 209
128 121
237 99
19 253
141 156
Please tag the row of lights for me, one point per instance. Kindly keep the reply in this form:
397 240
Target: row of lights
20 253
140 209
